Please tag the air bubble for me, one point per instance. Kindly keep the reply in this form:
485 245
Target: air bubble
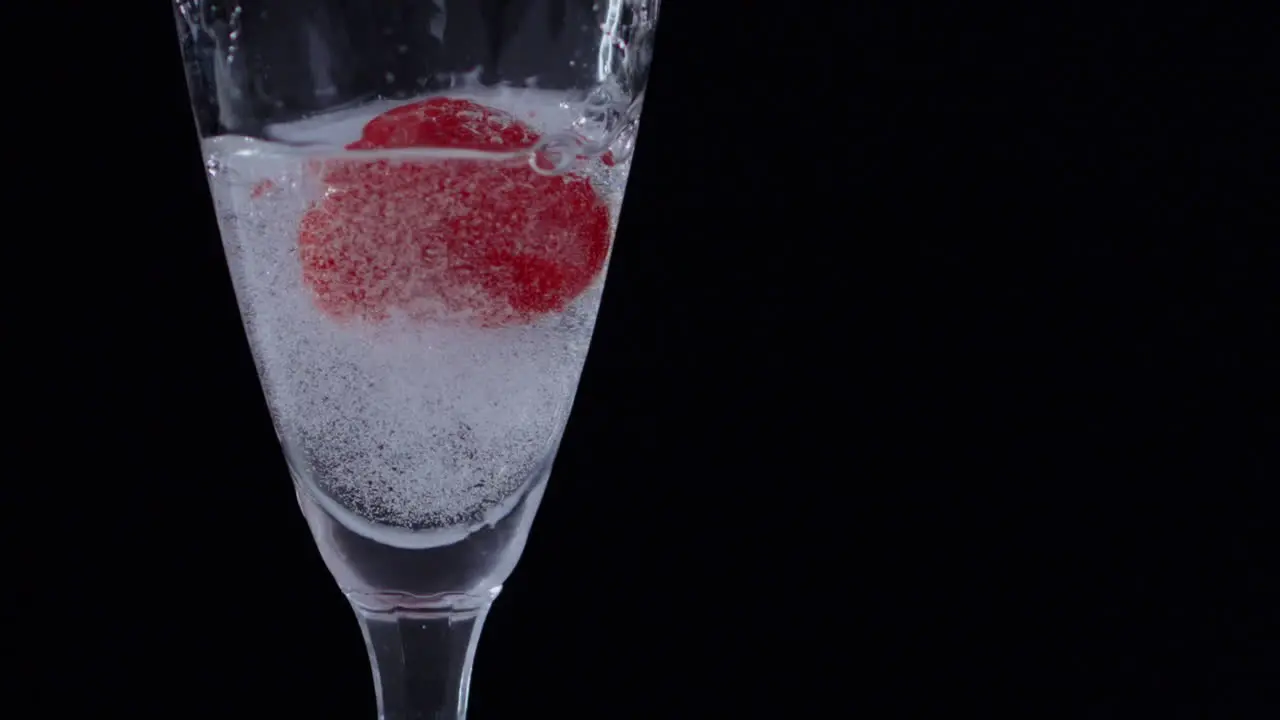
600 97
600 115
555 154
625 142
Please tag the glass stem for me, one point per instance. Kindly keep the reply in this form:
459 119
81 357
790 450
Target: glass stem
422 656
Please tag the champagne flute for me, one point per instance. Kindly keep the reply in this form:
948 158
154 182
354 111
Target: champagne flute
417 200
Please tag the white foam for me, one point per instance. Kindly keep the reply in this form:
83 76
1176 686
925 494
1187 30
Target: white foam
404 423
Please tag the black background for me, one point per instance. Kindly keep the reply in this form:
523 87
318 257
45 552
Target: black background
935 375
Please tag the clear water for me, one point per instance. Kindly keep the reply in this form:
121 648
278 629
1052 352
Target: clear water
405 435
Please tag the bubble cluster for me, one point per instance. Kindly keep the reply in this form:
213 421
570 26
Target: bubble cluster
405 422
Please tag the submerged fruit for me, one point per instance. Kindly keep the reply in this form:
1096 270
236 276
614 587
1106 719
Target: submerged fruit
489 240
